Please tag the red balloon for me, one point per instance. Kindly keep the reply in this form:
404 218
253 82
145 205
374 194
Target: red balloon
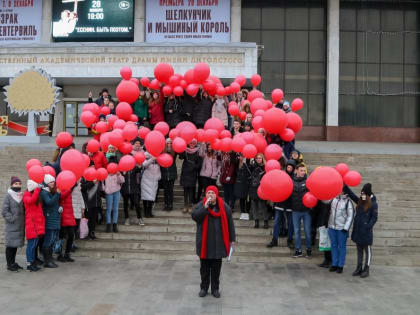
101 174
126 73
268 104
101 127
189 76
259 112
325 183
134 118
32 162
173 133
135 80
192 89
214 123
165 160
273 152
216 144
287 135
119 124
155 143
238 144
90 174
184 123
272 165
140 157
145 81
201 72
125 148
143 131
187 133
276 185
124 111
294 122
86 160
342 168
66 180
241 79
174 81
36 173
178 91
257 122
49 170
256 80
115 138
277 95
242 116
162 127
130 132
200 135
183 84
258 103
155 84
226 145
127 91
92 107
235 87
209 86
167 90
225 134
179 145
93 146
104 141
297 104
248 137
127 163
275 120
260 142
112 168
254 94
233 109
111 120
261 194
72 160
309 200
210 135
220 91
64 139
105 110
352 178
88 118
163 72
249 151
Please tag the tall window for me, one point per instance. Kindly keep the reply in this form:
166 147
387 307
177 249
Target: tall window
293 34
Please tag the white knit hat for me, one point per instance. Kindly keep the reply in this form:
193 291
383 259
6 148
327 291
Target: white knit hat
48 179
31 185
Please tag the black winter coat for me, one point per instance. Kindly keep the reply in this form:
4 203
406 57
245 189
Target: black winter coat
215 246
169 173
190 168
258 172
175 117
241 187
284 205
92 194
131 184
202 111
321 214
188 105
299 189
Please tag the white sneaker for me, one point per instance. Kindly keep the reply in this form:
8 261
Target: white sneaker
141 222
246 216
127 222
242 216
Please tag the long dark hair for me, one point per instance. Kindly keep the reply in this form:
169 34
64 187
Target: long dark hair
365 204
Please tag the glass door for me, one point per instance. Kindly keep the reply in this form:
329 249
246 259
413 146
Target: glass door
72 122
81 128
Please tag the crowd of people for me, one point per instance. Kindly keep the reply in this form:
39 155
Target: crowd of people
48 216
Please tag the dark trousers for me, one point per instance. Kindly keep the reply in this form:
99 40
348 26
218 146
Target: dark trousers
135 200
168 191
92 217
148 206
210 270
189 195
245 205
39 245
229 195
368 254
67 232
327 256
10 255
77 229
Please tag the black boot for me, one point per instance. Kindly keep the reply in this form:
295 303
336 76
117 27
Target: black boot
61 258
92 235
265 224
273 243
365 272
48 258
68 258
257 224
325 264
114 228
108 228
358 271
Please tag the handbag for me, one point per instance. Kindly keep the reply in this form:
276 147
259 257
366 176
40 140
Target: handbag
324 240
83 229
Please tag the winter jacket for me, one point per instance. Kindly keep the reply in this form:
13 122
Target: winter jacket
287 204
299 189
188 105
34 217
92 194
258 172
78 202
211 165
243 179
156 110
228 169
169 173
99 160
14 217
215 246
321 214
202 111
190 168
220 112
67 217
364 221
140 109
341 215
131 184
50 205
150 178
113 183
173 112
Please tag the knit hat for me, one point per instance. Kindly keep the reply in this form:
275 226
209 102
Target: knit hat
367 189
14 179
111 147
48 179
292 163
213 189
31 185
102 116
286 103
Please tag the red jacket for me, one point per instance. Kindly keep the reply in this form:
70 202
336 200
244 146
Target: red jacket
67 217
156 110
228 170
34 216
99 160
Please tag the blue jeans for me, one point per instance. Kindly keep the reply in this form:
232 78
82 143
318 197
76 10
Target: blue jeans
229 197
280 218
30 249
338 247
112 202
50 237
297 216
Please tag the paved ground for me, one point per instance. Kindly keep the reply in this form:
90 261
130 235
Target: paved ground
100 287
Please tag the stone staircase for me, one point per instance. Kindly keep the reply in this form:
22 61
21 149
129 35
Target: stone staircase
171 235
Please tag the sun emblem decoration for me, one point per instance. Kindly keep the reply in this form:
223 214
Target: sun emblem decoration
32 90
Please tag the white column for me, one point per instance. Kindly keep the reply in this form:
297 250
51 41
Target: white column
333 61
139 13
58 124
46 21
235 21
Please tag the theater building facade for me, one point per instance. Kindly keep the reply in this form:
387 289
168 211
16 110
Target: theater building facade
355 63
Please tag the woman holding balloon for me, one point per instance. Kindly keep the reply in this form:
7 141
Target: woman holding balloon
259 207
149 183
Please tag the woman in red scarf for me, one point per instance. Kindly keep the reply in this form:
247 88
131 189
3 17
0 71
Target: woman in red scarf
215 236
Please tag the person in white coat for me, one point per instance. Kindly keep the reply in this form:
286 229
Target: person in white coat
78 206
149 183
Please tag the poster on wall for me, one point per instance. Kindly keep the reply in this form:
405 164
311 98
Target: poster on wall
93 20
194 21
20 22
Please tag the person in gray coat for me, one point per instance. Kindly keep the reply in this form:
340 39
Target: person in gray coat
149 183
14 217
214 239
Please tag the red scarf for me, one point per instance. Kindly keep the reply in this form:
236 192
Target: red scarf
224 223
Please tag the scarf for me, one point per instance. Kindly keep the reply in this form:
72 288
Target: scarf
225 228
192 150
17 196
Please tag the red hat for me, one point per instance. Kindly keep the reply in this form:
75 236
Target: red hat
213 189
